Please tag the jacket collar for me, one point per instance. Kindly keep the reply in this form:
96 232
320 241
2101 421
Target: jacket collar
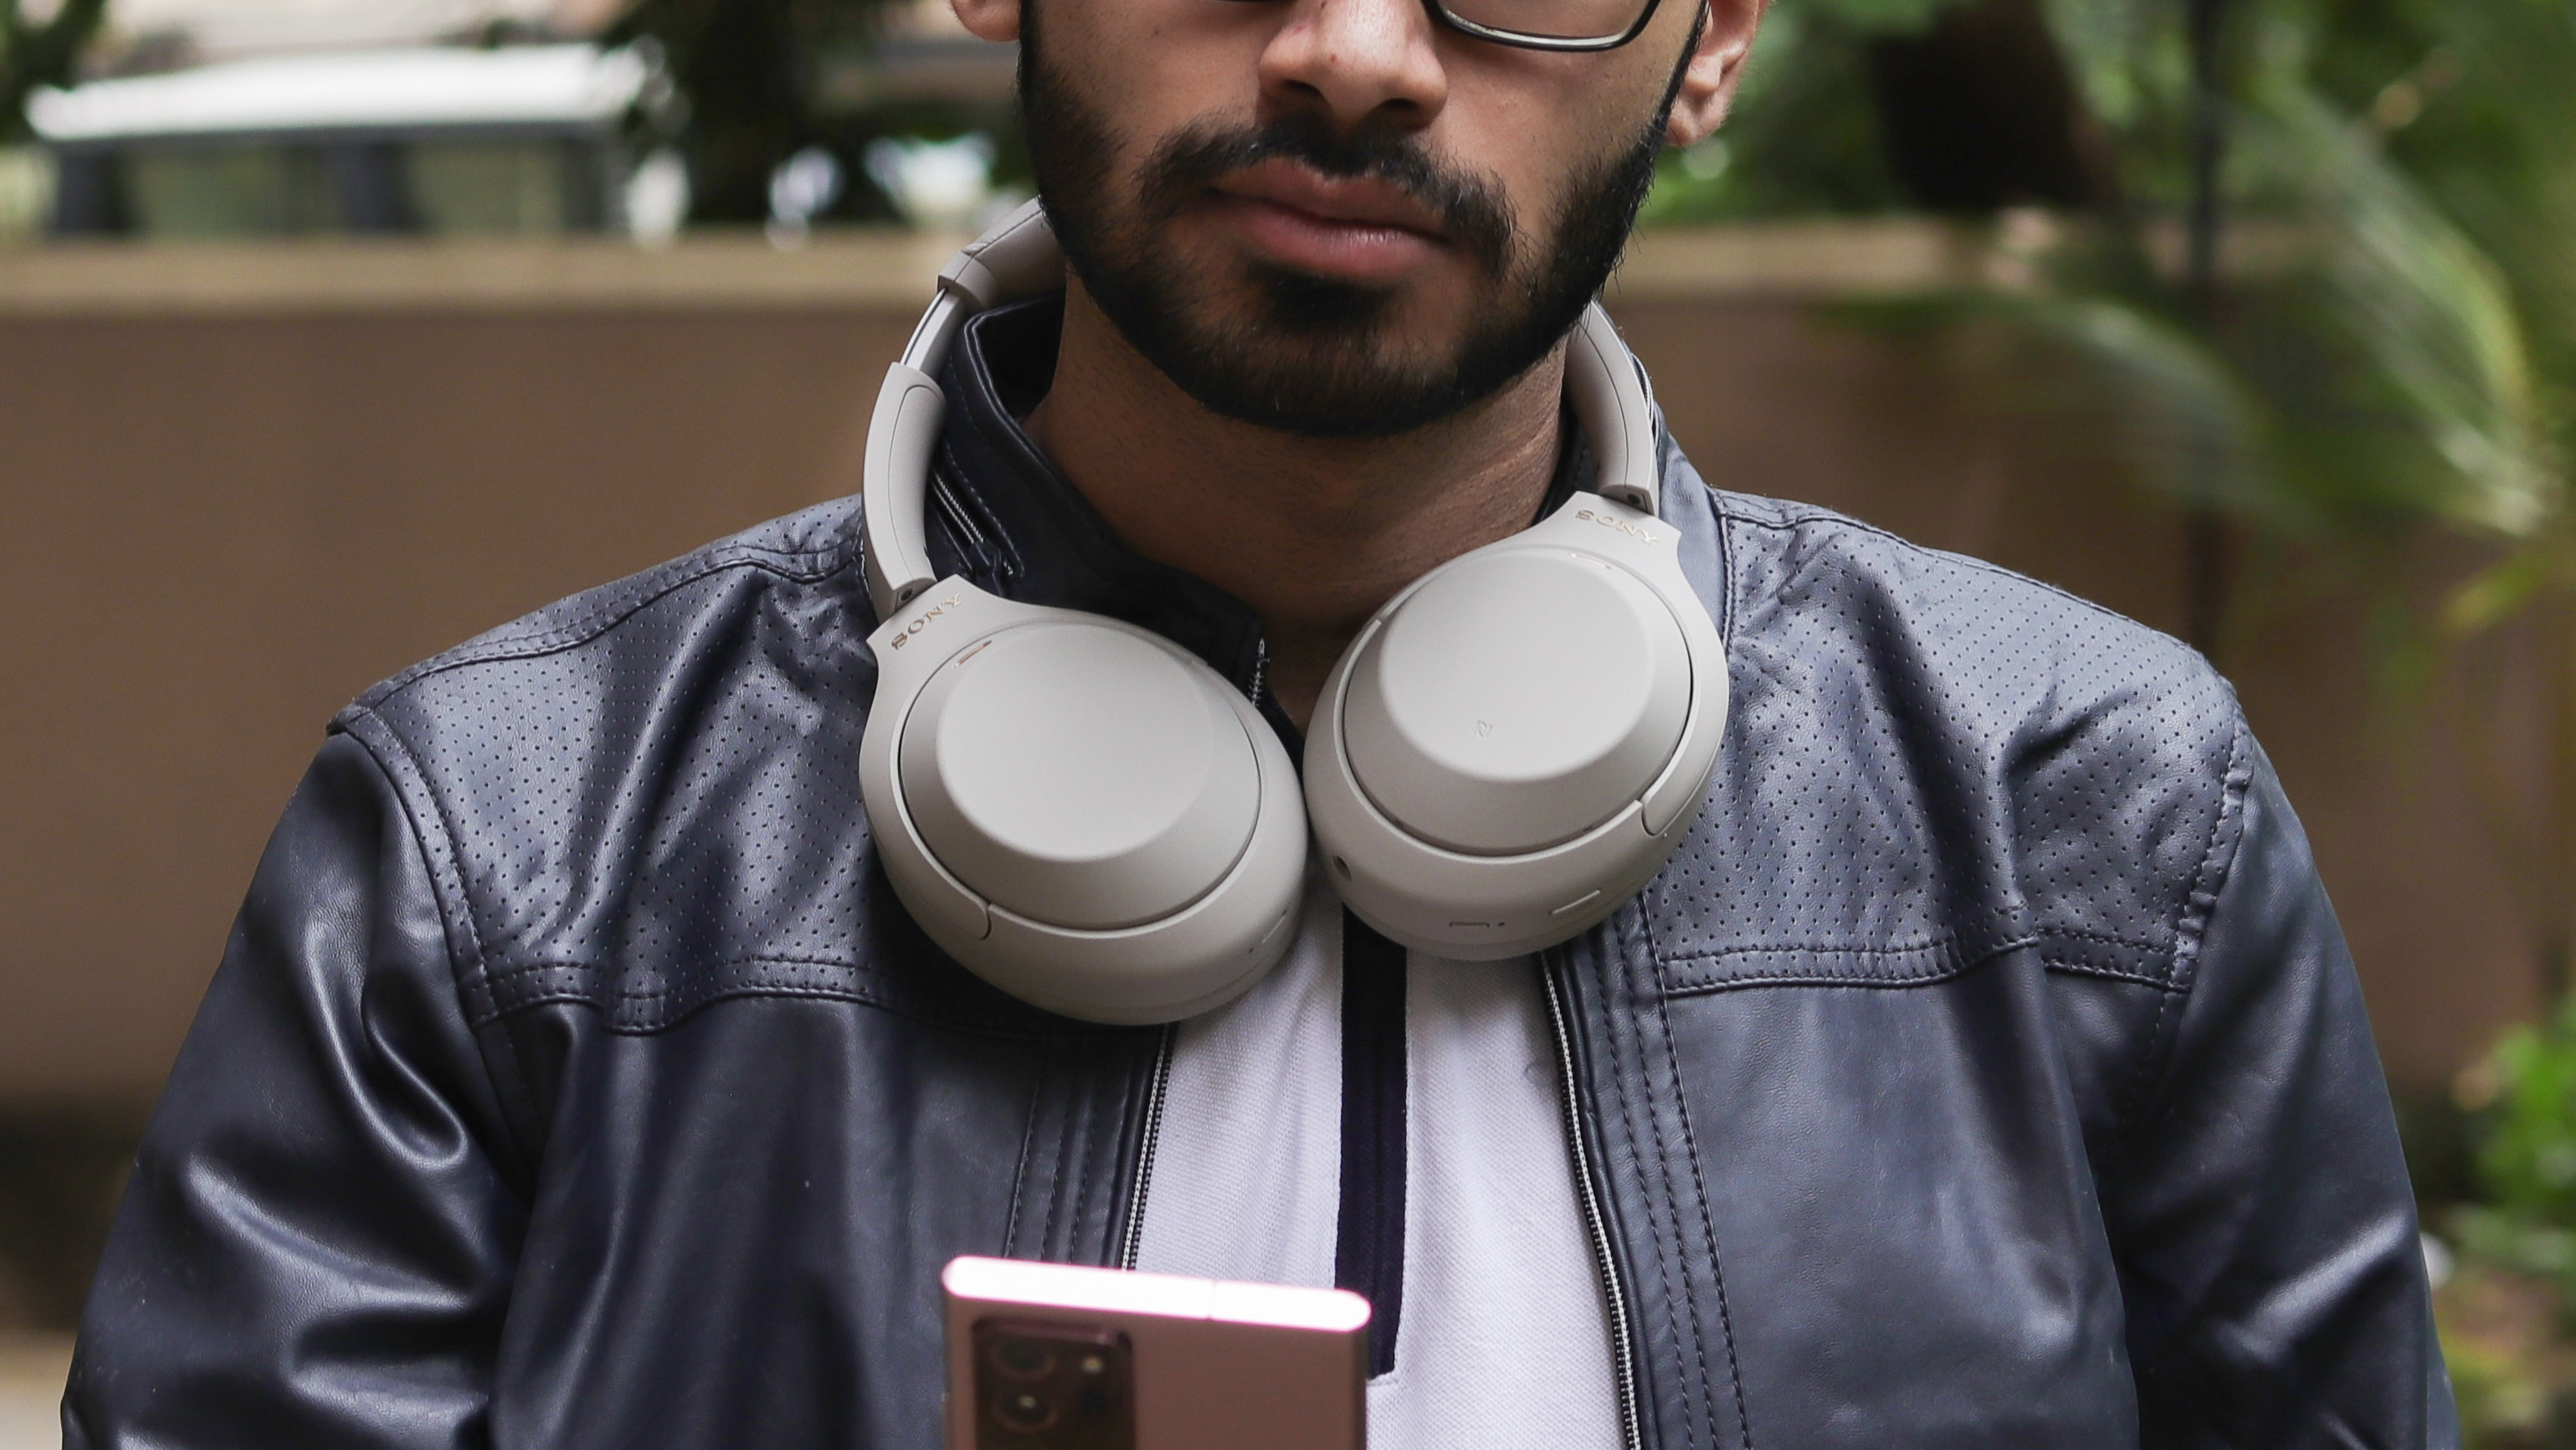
1007 519
1004 516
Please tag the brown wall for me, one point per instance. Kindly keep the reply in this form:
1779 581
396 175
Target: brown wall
215 529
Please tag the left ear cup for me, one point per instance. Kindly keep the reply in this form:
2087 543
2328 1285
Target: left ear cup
1082 813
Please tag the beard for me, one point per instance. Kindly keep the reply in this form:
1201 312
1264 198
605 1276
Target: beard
1313 355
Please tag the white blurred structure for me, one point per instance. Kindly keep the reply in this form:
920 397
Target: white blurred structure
232 29
938 185
440 86
517 140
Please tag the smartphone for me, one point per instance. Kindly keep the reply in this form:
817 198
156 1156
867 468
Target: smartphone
1058 1357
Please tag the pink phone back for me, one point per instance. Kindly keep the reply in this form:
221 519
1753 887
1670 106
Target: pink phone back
1218 1365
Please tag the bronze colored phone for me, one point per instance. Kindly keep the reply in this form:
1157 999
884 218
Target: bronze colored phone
1056 1357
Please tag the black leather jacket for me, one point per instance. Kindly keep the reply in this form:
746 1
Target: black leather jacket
1986 1070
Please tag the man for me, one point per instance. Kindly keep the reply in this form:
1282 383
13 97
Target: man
1985 1069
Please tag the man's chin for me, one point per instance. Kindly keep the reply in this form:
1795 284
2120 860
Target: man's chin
1294 351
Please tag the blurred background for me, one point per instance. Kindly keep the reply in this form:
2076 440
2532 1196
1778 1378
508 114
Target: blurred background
334 331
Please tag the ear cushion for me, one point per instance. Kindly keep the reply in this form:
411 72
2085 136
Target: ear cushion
1079 811
1515 745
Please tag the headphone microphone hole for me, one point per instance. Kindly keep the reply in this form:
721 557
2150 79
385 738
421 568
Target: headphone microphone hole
1342 866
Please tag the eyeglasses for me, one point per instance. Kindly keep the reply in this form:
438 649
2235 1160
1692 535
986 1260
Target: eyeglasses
1544 24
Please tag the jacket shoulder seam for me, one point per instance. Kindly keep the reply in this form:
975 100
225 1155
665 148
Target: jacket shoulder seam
2217 863
1789 523
802 567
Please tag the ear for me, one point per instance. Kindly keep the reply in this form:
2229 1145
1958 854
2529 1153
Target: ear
993 20
1709 76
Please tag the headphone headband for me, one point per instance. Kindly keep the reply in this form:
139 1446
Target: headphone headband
1019 259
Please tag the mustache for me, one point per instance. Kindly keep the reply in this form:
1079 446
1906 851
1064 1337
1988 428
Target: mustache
1473 212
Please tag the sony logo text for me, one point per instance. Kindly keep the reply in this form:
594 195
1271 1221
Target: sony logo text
1622 525
936 610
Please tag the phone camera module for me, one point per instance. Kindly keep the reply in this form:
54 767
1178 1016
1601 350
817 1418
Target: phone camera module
1026 1411
1024 1359
1053 1386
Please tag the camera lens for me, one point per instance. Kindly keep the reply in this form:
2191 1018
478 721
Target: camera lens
1024 1409
1023 1359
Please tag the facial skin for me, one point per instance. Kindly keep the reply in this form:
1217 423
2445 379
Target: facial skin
1319 330
1326 251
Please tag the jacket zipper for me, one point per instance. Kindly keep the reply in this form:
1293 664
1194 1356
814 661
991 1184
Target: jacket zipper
967 532
1622 1344
1134 1238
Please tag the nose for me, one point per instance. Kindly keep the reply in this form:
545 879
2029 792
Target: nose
1361 62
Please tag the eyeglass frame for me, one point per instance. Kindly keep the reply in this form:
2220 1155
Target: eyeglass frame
1521 40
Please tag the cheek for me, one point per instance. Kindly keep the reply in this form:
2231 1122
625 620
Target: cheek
1535 122
1153 68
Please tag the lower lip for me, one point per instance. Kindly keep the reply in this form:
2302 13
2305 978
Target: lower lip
1355 251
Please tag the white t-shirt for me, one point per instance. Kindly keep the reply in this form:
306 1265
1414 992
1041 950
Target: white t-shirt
1503 1337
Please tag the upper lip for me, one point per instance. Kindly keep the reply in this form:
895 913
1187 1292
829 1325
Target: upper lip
1364 200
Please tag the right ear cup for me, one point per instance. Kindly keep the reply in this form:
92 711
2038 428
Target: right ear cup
1515 745
1080 812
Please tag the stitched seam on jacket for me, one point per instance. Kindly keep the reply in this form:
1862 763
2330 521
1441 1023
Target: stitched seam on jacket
1050 1229
1638 1004
1069 1170
1956 950
2103 936
1628 1115
1728 605
2201 900
869 987
540 643
1095 1110
1794 523
575 998
395 759
2198 903
2112 974
500 976
1891 949
1028 1144
1707 1214
1942 966
1950 973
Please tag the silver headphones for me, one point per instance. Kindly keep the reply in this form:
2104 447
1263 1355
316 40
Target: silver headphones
1094 821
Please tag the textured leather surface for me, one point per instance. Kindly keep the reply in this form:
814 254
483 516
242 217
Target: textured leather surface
1986 1069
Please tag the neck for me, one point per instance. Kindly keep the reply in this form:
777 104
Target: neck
1312 533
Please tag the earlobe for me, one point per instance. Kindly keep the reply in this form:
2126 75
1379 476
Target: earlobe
1715 66
993 20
